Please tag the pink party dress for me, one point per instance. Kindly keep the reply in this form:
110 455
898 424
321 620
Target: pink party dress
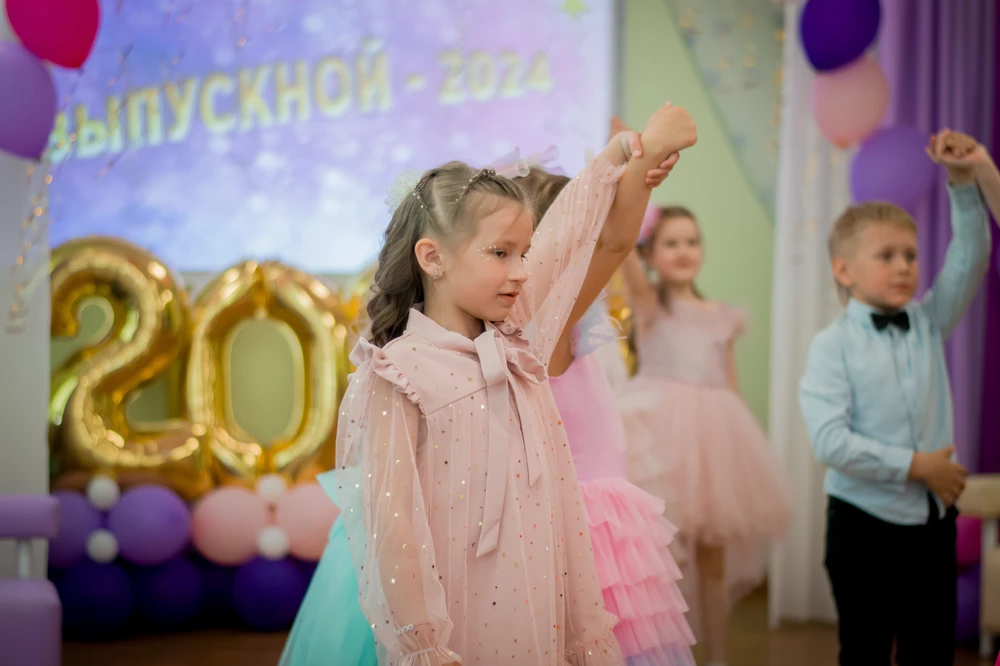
456 482
693 442
630 535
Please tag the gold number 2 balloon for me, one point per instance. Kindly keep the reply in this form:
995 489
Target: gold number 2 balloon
91 391
273 291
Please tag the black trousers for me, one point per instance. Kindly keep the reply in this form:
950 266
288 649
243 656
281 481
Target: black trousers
892 582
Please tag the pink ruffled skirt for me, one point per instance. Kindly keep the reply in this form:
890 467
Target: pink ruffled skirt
701 450
638 575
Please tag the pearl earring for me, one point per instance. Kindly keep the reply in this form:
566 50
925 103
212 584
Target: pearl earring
437 274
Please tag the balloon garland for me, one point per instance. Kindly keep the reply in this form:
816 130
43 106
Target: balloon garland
849 99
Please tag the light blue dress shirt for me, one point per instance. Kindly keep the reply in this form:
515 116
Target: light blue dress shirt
871 399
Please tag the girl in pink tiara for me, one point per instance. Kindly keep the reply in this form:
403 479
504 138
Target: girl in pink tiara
629 534
454 478
691 438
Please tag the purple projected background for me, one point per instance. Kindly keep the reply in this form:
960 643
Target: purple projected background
211 131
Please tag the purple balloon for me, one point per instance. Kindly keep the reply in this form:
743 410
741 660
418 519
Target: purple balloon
77 519
217 608
837 32
170 595
267 593
96 600
28 103
892 166
967 621
152 525
306 568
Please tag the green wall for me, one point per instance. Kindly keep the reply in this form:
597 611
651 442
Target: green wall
709 180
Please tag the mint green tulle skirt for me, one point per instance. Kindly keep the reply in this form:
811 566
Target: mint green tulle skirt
330 629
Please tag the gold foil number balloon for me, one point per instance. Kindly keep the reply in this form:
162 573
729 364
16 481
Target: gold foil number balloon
618 308
91 391
300 303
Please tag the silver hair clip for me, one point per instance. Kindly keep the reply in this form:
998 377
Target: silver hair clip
488 171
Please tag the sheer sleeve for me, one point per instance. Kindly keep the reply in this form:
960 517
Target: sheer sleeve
386 522
560 254
741 320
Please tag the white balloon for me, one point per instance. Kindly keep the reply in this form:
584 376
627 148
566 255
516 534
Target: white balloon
270 487
103 492
102 546
272 542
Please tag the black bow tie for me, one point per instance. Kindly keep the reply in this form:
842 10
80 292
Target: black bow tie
900 320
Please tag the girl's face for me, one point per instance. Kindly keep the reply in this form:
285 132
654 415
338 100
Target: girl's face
484 274
675 251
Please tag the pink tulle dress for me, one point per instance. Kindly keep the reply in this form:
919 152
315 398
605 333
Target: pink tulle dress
693 442
630 536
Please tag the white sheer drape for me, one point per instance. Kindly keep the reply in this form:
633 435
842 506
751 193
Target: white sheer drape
24 355
812 190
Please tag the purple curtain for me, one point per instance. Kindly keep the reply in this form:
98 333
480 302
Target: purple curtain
937 56
989 451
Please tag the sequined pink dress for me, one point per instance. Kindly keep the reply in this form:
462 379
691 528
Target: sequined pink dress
456 482
693 441
631 537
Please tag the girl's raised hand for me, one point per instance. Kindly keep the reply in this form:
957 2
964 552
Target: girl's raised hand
654 177
670 129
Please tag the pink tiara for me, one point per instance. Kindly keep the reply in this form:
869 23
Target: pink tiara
649 221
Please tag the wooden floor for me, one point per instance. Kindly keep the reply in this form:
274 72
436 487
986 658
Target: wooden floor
750 645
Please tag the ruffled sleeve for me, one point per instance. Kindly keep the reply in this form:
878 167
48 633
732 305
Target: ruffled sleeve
385 518
740 318
560 254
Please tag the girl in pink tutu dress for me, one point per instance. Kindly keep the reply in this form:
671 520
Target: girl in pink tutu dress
691 438
454 477
629 534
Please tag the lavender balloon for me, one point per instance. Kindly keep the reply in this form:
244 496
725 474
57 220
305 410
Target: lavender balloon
77 519
27 104
892 166
152 525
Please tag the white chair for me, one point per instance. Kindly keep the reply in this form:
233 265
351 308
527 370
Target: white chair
982 500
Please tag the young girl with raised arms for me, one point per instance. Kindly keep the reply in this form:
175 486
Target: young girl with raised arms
630 536
454 477
691 438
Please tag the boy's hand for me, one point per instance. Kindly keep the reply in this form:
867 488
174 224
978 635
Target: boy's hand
959 152
943 477
669 130
654 177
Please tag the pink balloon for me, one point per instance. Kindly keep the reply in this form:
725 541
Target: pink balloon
968 541
306 514
225 523
849 103
60 31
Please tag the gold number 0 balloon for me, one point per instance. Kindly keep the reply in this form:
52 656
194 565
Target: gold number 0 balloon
305 305
90 392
